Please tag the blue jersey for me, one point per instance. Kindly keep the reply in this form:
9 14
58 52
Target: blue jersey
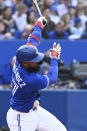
26 85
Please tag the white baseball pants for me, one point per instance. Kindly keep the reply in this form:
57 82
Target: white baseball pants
39 119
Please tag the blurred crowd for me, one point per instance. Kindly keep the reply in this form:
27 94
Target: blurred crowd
67 19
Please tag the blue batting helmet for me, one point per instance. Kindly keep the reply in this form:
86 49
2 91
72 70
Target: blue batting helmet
29 54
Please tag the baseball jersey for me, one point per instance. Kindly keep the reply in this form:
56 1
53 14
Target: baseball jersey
26 85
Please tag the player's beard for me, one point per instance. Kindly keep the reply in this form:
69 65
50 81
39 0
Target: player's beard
34 69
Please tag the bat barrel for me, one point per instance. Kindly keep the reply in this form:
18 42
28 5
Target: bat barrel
37 7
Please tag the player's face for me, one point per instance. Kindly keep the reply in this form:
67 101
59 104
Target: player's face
31 66
34 67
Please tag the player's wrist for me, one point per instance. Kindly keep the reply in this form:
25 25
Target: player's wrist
39 24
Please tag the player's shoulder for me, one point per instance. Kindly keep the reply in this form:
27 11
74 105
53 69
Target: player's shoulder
34 78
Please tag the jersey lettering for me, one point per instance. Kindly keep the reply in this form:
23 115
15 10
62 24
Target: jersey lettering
15 86
20 82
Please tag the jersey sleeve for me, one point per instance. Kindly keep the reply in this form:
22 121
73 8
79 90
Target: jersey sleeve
38 82
53 72
35 37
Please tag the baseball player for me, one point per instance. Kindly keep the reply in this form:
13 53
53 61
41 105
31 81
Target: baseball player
25 114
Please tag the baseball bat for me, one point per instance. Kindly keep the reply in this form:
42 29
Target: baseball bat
37 7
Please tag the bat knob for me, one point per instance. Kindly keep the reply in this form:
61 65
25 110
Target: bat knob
44 21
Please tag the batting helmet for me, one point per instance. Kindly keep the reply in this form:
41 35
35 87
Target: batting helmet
29 54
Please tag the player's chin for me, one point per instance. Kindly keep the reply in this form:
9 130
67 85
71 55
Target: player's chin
34 69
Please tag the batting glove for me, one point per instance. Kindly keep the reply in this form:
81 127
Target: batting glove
56 51
41 22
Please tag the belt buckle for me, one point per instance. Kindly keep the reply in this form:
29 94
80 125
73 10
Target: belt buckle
36 104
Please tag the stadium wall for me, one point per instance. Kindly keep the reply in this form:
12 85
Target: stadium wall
69 106
70 50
